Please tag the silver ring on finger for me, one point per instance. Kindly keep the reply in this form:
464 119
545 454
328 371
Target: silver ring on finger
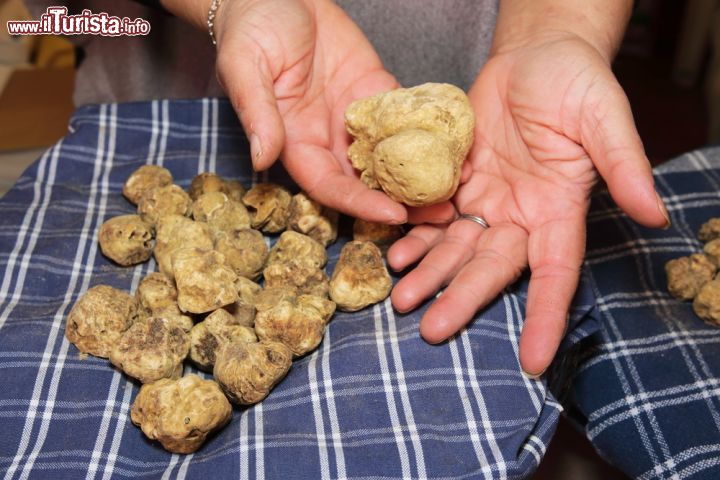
474 218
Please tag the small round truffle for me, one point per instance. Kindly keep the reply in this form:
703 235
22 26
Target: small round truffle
244 309
175 232
99 318
207 203
234 190
293 246
163 201
245 251
712 250
204 282
206 337
380 234
360 277
228 218
180 414
312 219
204 183
126 240
156 293
152 349
298 323
686 275
269 207
709 230
271 296
247 372
303 276
707 303
145 179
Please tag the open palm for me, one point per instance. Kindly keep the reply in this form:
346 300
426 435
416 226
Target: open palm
548 117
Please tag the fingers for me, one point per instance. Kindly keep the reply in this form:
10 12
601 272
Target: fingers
414 245
317 172
442 262
555 252
244 74
499 260
609 135
439 213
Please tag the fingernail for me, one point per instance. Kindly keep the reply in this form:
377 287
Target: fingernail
663 210
255 149
534 376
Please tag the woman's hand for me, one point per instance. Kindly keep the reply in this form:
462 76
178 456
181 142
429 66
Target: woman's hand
290 68
549 114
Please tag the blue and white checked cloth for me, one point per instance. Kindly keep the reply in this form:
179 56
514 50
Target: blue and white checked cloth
374 401
647 386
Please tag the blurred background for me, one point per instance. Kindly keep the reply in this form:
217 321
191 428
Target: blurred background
669 65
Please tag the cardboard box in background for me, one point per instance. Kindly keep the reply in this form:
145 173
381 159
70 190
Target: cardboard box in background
37 75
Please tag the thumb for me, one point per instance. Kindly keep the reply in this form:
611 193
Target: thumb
246 77
609 135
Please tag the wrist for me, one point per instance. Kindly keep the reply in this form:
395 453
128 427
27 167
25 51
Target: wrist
523 23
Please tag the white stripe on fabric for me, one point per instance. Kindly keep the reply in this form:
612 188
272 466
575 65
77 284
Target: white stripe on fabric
174 459
38 194
259 445
154 131
472 427
29 420
104 425
403 389
498 458
389 395
64 344
683 457
119 430
318 416
164 132
613 329
203 136
213 134
59 316
244 447
332 409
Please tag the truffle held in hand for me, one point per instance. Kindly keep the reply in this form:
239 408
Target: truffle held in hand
360 277
707 303
203 280
126 240
218 328
180 413
145 179
296 322
314 220
152 349
686 275
248 371
269 207
411 142
99 318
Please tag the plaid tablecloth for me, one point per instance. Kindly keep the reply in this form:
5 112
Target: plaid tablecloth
647 386
374 401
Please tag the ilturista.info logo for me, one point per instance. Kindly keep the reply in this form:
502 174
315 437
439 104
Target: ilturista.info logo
56 21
